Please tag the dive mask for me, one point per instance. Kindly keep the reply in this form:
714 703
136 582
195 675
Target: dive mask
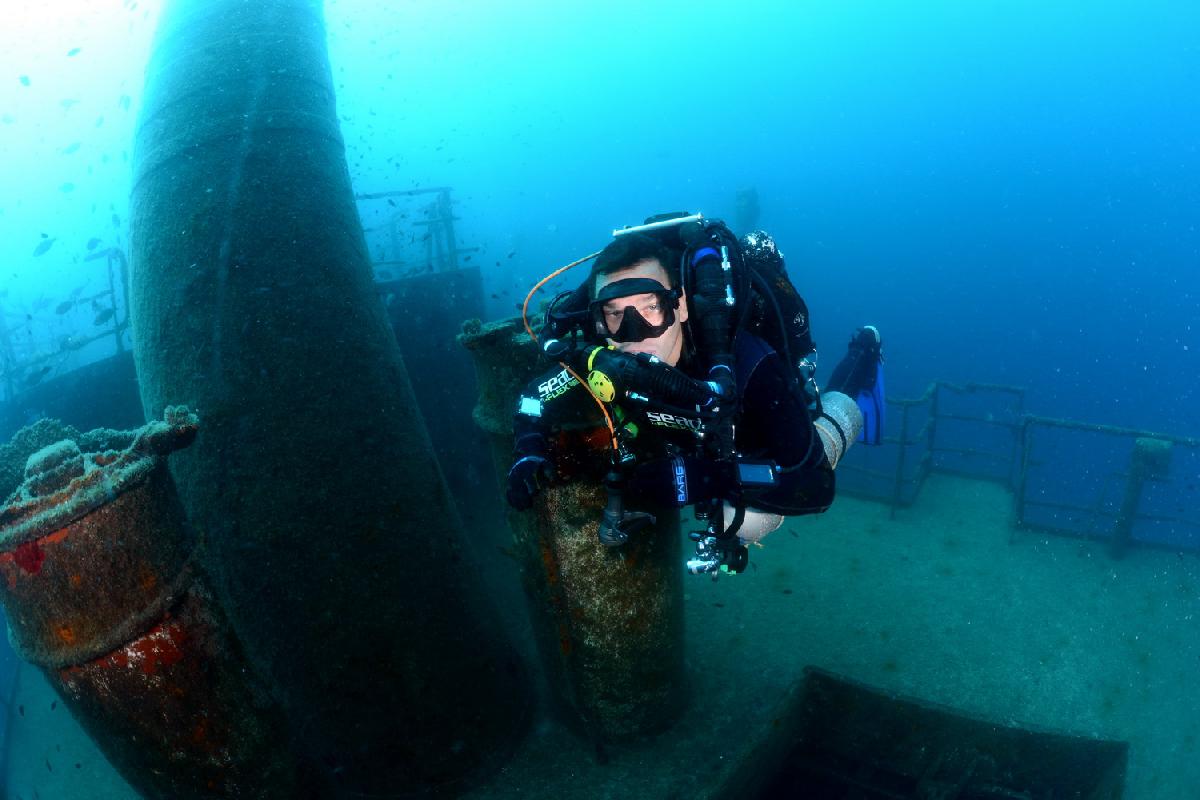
633 326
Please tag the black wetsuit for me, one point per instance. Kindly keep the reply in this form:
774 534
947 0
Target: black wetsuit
558 419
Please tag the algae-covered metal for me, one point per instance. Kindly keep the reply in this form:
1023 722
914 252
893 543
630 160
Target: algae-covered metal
331 540
609 622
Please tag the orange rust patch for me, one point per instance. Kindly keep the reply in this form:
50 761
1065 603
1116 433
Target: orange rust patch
56 537
161 647
65 634
148 581
76 580
29 557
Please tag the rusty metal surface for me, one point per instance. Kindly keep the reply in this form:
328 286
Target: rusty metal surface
175 713
96 582
71 596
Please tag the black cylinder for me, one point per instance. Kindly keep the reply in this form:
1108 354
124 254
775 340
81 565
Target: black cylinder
331 539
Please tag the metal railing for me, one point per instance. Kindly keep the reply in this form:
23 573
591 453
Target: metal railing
1126 486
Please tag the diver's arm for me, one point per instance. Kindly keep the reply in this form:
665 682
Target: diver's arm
776 425
532 467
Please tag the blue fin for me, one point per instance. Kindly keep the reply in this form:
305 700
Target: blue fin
871 403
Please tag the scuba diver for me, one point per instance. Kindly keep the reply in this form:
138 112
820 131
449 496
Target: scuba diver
699 361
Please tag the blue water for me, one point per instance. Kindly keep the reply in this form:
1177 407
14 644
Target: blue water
1009 191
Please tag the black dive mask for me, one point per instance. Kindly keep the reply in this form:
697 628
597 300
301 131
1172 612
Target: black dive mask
634 327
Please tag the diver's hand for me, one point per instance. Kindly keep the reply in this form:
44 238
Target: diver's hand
526 479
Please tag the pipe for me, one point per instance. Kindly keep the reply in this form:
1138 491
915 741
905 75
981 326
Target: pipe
332 541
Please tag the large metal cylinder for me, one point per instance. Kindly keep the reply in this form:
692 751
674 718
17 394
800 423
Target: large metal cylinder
333 543
609 623
96 581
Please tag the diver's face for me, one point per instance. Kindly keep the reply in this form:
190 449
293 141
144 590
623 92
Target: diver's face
668 346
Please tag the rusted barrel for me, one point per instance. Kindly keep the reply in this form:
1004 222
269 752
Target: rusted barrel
96 580
609 623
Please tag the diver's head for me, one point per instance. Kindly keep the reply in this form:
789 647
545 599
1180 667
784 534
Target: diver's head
634 302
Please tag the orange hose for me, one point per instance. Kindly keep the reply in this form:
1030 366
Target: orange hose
543 282
612 429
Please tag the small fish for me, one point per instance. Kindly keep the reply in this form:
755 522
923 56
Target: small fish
73 147
78 290
44 245
64 306
466 258
787 591
116 221
68 102
718 605
67 187
24 80
99 120
391 202
92 242
74 51
48 767
103 317
8 119
124 102
21 709
54 705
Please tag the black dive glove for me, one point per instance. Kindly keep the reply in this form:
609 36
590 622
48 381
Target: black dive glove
857 372
526 479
